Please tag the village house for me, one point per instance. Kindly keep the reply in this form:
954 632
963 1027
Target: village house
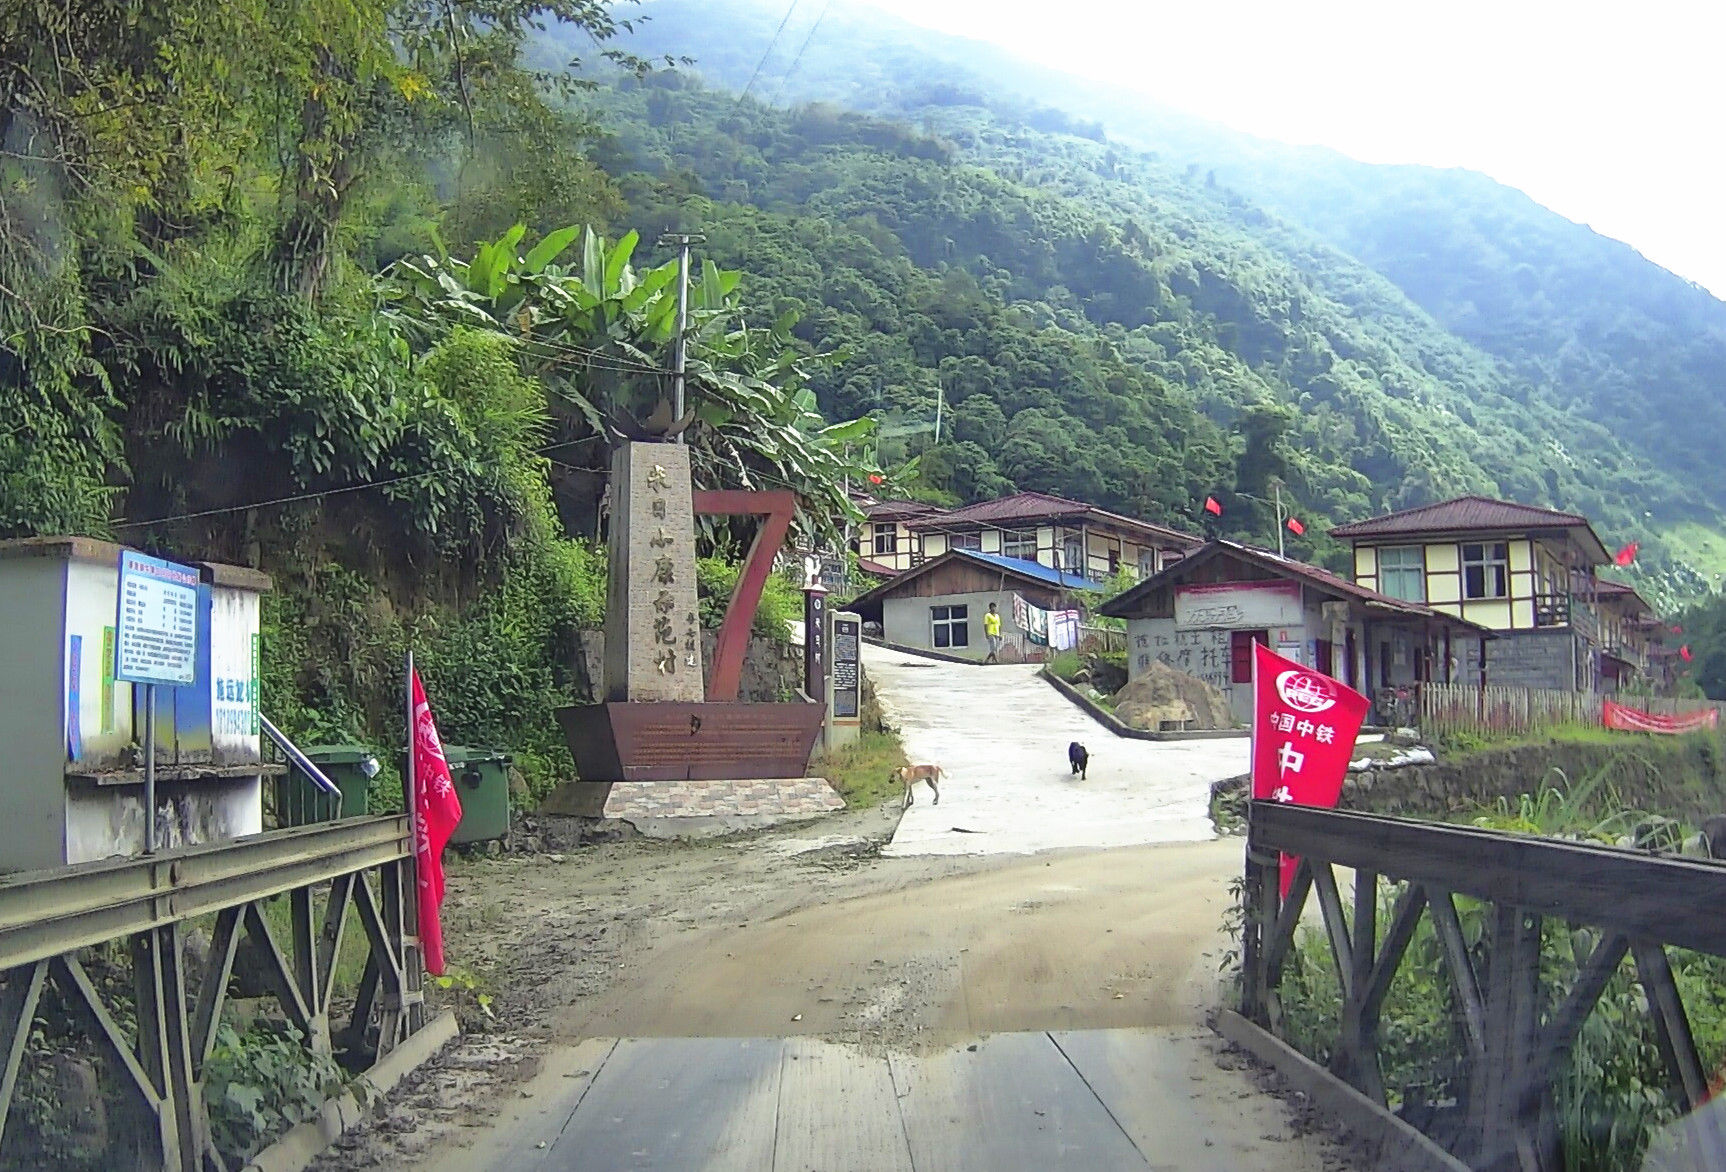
1631 636
1203 614
1509 567
939 605
1051 531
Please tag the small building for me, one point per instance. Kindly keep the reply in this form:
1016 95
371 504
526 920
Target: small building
1629 632
1204 613
939 605
1052 531
886 539
1506 566
1056 532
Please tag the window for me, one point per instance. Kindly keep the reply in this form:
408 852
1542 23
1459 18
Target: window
951 627
1402 572
1147 562
886 537
966 541
1486 570
1020 543
1241 653
1114 560
1073 555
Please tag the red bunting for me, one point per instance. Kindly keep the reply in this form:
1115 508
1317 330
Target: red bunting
1212 507
1296 528
1625 556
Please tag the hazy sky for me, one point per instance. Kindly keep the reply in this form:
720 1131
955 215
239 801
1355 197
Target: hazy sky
1610 114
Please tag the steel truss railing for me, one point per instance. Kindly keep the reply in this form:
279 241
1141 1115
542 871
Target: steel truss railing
360 869
1510 1052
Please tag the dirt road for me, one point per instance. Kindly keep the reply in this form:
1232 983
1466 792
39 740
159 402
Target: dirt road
810 932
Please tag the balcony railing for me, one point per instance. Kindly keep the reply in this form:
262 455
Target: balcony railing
1552 610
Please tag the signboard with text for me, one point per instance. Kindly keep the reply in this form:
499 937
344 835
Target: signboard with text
847 646
156 630
1238 605
1304 728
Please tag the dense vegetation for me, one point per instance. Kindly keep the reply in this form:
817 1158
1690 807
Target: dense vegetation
261 300
1426 332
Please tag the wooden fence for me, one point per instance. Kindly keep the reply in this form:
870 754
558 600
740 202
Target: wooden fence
1442 709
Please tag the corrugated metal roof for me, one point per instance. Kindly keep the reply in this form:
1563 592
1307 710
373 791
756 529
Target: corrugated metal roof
1460 514
899 510
1032 569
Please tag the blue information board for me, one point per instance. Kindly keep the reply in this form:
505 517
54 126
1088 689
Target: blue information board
156 631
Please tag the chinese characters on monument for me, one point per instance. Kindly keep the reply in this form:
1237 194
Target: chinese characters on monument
653 642
1304 728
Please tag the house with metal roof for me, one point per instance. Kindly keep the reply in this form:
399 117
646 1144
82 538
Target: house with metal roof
1203 614
939 604
1507 566
1052 531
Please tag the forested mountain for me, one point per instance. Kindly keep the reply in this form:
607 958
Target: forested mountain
1427 331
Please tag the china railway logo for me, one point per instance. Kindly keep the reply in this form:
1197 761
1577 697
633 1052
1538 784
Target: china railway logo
1306 691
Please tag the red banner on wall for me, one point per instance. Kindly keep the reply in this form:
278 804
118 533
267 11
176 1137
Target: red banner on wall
1304 727
1635 720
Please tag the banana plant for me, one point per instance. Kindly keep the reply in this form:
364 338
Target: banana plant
600 335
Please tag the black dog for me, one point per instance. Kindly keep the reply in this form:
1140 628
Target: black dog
1078 759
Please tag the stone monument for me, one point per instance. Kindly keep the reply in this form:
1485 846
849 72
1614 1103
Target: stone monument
661 717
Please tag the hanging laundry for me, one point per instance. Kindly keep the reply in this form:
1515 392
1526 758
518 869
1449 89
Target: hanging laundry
1063 629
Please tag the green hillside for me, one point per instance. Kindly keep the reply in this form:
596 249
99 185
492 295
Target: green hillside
1430 331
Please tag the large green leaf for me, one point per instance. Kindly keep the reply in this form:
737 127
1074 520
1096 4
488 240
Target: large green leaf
550 248
618 261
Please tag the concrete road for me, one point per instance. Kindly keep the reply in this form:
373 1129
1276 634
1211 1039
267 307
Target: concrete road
1085 1101
1001 734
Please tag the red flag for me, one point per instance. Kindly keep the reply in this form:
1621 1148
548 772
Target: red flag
876 478
1304 726
437 811
1211 506
1677 630
1296 528
1684 653
1625 556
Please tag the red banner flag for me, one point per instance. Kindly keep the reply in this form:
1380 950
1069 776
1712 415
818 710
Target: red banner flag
1684 653
1296 527
1635 720
437 812
1212 507
1304 727
1625 556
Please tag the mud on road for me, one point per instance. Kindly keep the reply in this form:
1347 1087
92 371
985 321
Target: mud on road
800 930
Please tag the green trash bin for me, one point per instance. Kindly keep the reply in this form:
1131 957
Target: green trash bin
352 767
482 783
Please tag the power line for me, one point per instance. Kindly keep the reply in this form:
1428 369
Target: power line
795 61
766 51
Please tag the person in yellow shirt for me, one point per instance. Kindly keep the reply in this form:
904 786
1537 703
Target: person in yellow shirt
992 632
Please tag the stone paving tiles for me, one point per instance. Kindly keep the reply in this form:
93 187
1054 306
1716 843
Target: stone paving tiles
695 799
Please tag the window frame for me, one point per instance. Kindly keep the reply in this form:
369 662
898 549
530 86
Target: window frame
890 531
1017 539
1490 558
944 622
970 541
1418 570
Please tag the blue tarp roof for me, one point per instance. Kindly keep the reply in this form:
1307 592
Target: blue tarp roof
1031 569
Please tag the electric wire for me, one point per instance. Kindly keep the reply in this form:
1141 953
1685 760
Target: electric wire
765 52
797 60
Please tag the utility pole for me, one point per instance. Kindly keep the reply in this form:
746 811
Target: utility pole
680 354
940 402
1277 493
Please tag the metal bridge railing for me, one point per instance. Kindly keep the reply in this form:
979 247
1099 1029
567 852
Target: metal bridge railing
1514 1029
358 870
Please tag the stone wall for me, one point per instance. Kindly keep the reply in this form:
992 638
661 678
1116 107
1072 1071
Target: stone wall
1679 777
772 672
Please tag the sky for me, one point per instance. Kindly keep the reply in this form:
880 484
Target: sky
1609 114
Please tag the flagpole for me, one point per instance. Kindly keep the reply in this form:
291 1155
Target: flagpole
1277 491
408 780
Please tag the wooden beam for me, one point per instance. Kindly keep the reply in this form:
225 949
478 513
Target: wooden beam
17 1012
1462 975
1671 1025
1553 1053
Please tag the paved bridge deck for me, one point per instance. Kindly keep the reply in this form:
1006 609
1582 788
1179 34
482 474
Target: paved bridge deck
1089 1101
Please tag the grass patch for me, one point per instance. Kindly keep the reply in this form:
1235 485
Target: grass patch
861 771
1066 664
1568 734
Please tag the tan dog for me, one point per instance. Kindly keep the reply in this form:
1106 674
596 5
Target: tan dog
910 775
